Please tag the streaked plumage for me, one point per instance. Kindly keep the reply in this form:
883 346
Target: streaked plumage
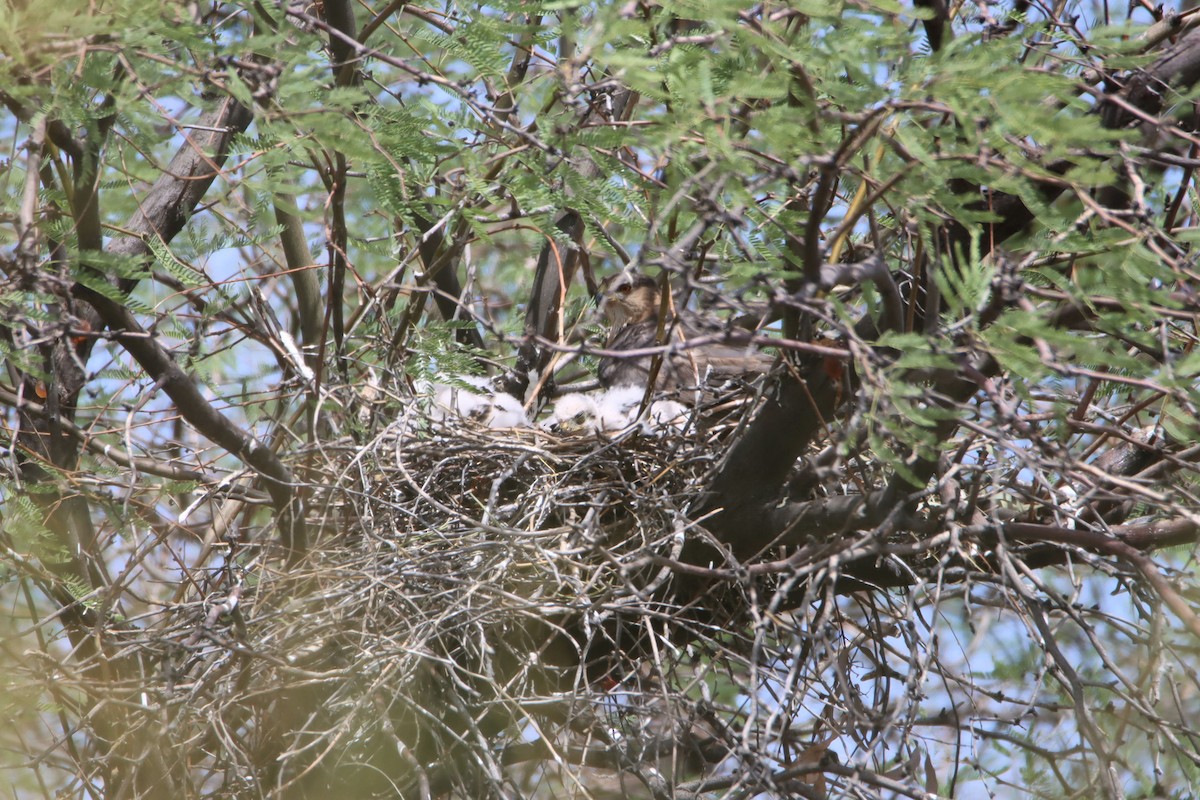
631 301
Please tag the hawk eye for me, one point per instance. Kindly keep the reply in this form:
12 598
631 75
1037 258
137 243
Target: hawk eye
624 288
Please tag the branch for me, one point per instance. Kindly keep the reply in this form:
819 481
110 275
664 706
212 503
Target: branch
937 24
209 422
1144 93
162 213
554 271
118 456
758 463
1118 543
1147 89
753 473
168 205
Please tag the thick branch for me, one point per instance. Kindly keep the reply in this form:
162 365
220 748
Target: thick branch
201 415
168 205
555 267
162 213
1119 544
751 476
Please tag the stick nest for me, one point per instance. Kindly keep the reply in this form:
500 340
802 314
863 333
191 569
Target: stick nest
465 574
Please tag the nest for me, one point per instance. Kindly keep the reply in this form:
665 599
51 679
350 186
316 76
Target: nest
466 574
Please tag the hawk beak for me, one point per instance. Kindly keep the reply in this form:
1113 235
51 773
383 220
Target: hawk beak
604 307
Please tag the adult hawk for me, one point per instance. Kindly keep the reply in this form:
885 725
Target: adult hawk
699 353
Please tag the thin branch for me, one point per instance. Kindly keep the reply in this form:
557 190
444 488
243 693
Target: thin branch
209 422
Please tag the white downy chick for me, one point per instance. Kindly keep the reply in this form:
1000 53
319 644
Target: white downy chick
574 413
480 402
506 411
456 400
614 411
617 408
664 414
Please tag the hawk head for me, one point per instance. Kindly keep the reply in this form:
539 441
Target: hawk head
628 298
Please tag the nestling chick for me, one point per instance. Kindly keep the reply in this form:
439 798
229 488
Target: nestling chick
575 413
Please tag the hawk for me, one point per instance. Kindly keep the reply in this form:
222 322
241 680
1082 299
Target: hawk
631 301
